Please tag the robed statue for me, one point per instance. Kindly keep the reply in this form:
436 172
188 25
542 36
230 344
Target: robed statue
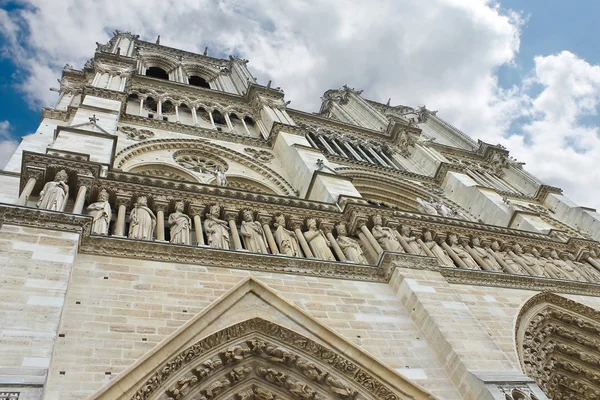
253 234
180 225
101 213
285 238
217 231
349 246
55 194
317 241
142 220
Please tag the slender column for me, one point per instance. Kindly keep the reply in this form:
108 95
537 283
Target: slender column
176 113
379 159
265 221
334 244
22 201
368 247
198 229
212 121
362 152
160 225
119 228
337 146
371 238
141 106
194 115
159 109
311 141
352 151
80 200
229 124
110 78
245 127
387 159
327 146
195 211
302 240
230 217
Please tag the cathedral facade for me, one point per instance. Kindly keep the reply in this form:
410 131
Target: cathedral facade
174 230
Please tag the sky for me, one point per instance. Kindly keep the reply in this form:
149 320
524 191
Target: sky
522 73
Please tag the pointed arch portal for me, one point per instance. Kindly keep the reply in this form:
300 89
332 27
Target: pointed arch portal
258 359
558 341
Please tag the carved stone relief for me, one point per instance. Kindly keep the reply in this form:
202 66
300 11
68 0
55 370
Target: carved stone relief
136 134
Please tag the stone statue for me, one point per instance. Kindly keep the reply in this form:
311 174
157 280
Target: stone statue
512 266
586 270
436 250
443 210
563 268
101 213
142 220
485 255
317 241
217 231
411 241
286 239
385 236
461 253
349 246
426 207
253 234
180 225
220 176
528 261
55 194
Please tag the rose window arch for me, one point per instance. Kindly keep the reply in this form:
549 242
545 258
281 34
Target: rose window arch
199 161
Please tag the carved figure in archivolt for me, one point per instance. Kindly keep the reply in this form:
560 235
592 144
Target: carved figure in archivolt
409 242
286 239
180 225
317 241
101 213
485 255
55 194
217 231
433 249
426 207
349 246
253 234
142 220
385 236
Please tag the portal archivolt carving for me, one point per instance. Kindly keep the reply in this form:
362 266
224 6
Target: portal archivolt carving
558 341
257 359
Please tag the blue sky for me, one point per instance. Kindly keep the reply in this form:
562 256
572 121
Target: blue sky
521 73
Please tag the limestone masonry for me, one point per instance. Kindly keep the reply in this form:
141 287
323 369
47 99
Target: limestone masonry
174 231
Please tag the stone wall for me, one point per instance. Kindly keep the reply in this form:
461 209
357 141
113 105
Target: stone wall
35 266
116 310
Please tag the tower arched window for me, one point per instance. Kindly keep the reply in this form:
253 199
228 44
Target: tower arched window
218 118
196 80
157 72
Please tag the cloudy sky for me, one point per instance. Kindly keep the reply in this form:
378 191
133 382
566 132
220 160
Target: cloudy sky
525 74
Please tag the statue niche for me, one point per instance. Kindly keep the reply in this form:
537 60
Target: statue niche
101 213
142 220
180 225
55 194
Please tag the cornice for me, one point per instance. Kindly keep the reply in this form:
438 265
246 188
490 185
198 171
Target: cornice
304 118
143 45
382 272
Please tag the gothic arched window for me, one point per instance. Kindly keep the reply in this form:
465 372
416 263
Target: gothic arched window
198 81
157 72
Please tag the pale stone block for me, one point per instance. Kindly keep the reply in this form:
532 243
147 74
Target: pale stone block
45 301
415 286
413 373
42 362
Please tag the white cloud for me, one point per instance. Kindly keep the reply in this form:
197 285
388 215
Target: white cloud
7 144
443 53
